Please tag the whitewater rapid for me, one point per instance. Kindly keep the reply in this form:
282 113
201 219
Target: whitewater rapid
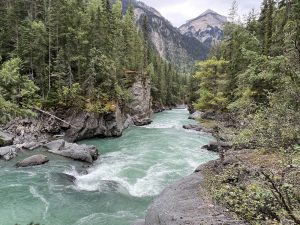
117 189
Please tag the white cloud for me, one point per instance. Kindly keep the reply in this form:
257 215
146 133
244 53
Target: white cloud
179 11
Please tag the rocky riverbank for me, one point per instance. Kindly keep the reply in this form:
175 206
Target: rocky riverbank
76 124
188 201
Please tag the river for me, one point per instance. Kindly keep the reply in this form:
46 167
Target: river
117 190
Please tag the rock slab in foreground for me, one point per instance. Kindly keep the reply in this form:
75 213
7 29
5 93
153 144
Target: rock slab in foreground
85 153
34 160
184 203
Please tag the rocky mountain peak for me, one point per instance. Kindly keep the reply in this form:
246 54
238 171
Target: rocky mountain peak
148 8
207 27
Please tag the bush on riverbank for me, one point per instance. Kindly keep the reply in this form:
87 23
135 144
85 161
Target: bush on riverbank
260 188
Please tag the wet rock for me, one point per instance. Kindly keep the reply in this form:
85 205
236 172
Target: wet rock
158 110
9 152
30 145
34 160
196 127
141 122
56 145
213 146
85 153
198 169
66 177
128 122
89 125
185 203
191 108
196 115
6 139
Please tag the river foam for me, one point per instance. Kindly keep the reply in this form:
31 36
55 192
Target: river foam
117 189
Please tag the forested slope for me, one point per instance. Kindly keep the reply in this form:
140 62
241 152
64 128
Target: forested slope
252 82
61 54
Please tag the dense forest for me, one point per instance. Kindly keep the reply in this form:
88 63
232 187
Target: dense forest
254 77
76 53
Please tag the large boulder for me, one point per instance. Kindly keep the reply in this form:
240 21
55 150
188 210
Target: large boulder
88 125
85 153
213 146
9 152
196 115
186 202
6 139
66 177
34 160
142 121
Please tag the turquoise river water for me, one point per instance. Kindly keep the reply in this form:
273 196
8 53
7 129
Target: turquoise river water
117 189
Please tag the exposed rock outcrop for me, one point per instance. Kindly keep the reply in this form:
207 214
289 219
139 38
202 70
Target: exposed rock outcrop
6 139
9 152
38 129
34 160
196 127
85 153
88 125
207 28
186 202
66 177
138 111
140 105
213 146
196 115
141 122
80 124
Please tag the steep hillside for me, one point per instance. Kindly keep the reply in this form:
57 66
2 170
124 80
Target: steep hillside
169 42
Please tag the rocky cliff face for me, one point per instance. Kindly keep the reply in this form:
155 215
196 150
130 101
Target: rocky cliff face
177 48
82 125
207 28
88 125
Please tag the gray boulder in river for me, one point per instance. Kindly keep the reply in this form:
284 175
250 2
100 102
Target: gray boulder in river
85 153
34 160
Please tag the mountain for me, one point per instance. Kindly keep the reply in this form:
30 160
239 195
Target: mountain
207 28
171 44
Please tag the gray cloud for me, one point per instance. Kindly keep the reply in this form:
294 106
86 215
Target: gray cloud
179 11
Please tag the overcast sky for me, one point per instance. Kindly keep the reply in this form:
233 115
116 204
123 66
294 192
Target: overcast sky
179 11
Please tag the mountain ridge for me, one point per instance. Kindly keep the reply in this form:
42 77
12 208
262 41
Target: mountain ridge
180 46
207 27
